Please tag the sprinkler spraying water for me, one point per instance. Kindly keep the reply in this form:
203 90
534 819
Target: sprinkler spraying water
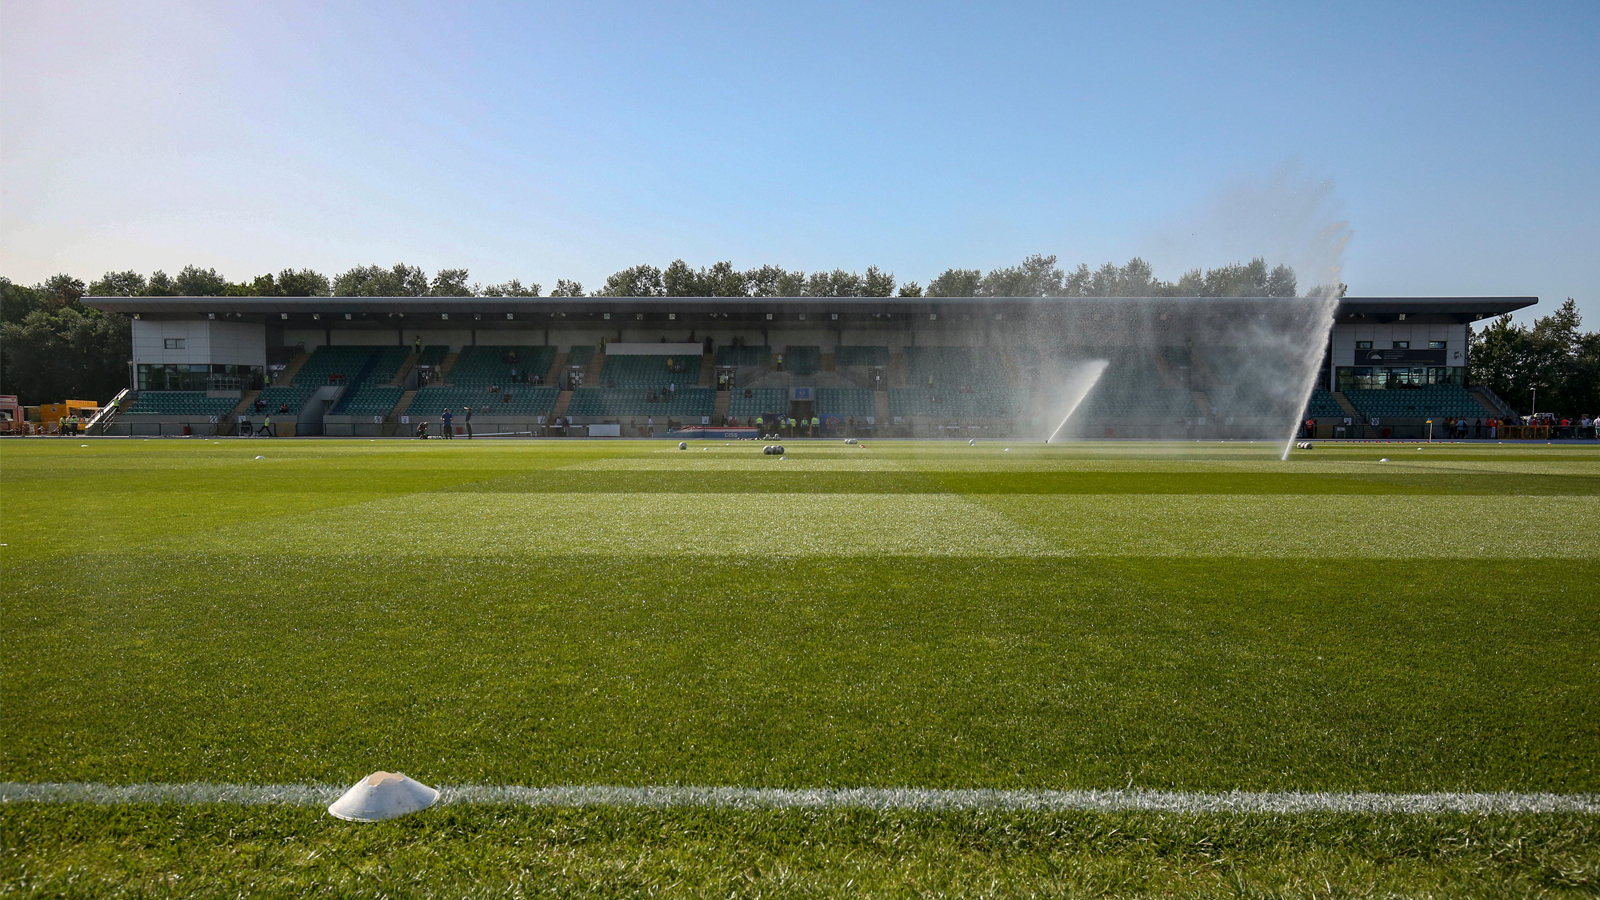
1076 388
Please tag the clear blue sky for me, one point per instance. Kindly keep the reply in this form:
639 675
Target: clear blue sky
569 140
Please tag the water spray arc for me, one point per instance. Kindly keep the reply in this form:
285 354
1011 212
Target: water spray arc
1322 314
1077 388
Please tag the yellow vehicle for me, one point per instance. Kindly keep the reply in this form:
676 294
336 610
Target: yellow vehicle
52 414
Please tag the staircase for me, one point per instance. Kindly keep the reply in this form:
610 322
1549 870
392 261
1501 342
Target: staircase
1348 407
107 414
293 368
829 362
405 369
880 404
1491 401
563 400
1167 375
1013 371
708 369
449 362
719 409
897 370
1201 401
243 406
591 372
557 366
404 404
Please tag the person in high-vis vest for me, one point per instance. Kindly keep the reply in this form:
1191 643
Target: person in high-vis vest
760 424
816 427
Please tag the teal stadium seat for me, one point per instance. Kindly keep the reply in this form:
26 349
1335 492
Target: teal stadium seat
1434 401
760 401
845 403
180 403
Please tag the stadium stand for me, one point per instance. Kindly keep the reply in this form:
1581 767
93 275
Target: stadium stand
433 355
369 392
1123 402
744 356
950 368
1430 401
483 365
580 354
761 400
180 403
802 360
526 401
934 403
634 401
649 371
847 355
845 403
1323 406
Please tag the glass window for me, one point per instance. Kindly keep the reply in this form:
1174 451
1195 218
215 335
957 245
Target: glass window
1402 345
1363 345
175 343
1436 345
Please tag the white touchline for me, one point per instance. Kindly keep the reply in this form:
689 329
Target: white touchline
667 797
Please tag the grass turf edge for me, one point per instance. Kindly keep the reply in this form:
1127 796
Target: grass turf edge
169 850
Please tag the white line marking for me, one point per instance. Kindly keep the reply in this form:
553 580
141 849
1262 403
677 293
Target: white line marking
666 797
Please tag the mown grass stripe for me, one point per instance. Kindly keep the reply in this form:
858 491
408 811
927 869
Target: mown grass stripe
672 796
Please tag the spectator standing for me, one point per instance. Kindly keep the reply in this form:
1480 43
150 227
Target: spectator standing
417 345
650 425
445 419
466 419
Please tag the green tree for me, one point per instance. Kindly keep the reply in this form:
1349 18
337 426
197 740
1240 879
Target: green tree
681 281
193 281
956 283
65 352
512 288
837 283
877 283
565 288
451 283
911 289
1553 361
375 281
161 285
635 281
118 284
302 283
1036 277
723 280
16 301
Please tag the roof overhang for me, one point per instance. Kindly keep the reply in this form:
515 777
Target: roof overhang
1463 309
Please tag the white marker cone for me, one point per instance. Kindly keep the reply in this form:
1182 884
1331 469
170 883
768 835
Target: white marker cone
380 796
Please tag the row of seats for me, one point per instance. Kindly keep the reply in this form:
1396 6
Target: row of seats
948 368
1323 406
180 403
744 356
433 355
1107 402
650 371
580 354
1432 401
691 402
802 360
983 403
493 364
845 403
519 400
369 399
848 355
760 400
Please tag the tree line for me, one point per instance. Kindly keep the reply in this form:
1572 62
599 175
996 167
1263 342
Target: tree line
1550 366
53 347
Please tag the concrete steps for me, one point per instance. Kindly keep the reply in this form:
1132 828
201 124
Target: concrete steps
293 368
1202 402
404 404
445 367
591 372
563 400
557 366
239 409
897 370
829 362
1348 407
400 374
719 408
708 369
880 406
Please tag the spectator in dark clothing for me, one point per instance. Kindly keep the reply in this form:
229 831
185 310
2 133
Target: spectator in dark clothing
446 417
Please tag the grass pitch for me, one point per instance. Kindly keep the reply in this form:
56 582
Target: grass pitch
1185 617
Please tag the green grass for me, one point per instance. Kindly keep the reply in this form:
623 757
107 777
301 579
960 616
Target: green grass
1193 617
